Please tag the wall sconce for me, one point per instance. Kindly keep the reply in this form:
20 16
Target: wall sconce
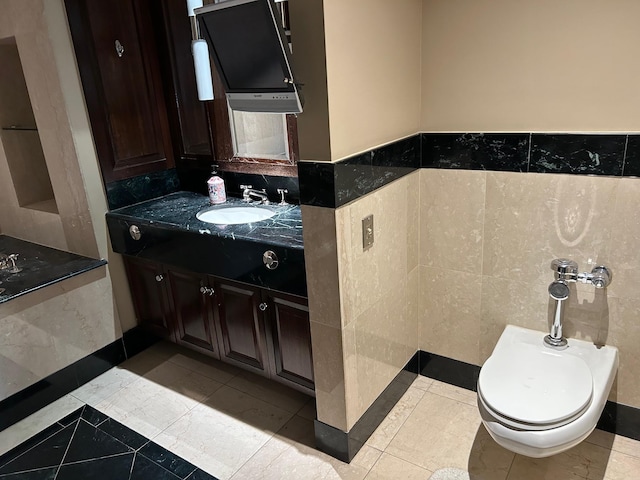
201 60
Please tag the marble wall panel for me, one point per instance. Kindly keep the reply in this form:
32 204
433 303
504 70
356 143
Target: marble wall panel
47 330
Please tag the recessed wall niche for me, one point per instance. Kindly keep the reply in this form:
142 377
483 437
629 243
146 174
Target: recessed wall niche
19 135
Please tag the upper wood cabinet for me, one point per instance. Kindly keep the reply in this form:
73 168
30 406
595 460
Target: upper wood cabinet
117 53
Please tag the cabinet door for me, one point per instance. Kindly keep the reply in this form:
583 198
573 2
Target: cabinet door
148 290
242 336
290 334
115 45
191 305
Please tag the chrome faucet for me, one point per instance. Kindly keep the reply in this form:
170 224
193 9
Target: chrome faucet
566 271
248 192
8 262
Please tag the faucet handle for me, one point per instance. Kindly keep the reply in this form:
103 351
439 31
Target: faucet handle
282 192
564 269
245 192
601 276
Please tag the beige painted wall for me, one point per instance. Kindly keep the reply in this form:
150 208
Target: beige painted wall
531 65
360 62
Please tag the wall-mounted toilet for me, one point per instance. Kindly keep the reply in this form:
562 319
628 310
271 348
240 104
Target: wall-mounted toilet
539 401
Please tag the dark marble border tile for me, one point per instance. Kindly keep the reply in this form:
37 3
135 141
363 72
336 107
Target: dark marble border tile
31 442
577 154
143 187
362 174
331 185
507 152
345 445
317 184
632 157
42 393
170 461
448 370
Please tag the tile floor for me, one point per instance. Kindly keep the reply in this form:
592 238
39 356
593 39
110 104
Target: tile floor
235 425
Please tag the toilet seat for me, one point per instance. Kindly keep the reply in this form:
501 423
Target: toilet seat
529 388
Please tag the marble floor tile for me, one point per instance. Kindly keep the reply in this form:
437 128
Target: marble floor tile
209 367
622 466
615 442
423 383
385 432
26 428
455 393
115 379
155 401
442 432
221 434
584 461
290 454
389 467
269 391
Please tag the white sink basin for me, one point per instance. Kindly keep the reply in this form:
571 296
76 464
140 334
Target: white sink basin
234 215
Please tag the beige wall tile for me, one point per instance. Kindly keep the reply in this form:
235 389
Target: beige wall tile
531 219
449 322
329 372
367 275
47 330
321 263
413 219
451 219
625 241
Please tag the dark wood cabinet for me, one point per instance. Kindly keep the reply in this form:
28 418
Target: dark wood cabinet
291 356
117 53
147 281
241 326
190 297
256 329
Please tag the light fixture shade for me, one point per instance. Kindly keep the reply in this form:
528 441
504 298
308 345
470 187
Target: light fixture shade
202 66
191 4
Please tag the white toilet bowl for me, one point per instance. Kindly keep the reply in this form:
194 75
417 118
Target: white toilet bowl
539 401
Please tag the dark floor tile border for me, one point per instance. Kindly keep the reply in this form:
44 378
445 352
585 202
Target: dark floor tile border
345 445
148 451
31 399
331 185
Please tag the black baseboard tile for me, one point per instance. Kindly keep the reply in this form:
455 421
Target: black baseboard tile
620 419
448 370
31 399
137 340
345 445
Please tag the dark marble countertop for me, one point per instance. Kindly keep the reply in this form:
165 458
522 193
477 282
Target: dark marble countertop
41 266
177 211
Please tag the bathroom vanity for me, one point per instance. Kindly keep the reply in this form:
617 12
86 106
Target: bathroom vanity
233 292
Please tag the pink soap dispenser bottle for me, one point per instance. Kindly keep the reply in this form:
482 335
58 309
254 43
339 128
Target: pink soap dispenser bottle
215 185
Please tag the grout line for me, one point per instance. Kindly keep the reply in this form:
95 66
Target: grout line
132 464
77 462
67 449
529 152
624 155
